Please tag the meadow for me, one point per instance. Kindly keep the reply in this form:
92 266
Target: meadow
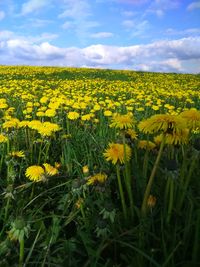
99 168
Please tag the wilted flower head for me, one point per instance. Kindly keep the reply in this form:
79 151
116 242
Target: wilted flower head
151 202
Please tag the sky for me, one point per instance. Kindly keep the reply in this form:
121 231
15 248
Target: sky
145 35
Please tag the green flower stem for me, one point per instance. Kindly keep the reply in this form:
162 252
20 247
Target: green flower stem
82 212
187 180
40 153
171 197
67 124
145 164
47 151
21 252
167 188
121 192
7 208
151 179
128 179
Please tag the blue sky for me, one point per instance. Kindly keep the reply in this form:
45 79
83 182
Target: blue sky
147 35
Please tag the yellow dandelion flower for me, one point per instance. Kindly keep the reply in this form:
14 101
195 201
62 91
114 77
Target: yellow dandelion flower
176 138
35 173
44 131
117 153
3 105
85 169
162 122
97 107
146 144
97 178
73 115
23 124
107 113
50 170
154 107
52 126
192 117
12 123
44 100
17 154
3 138
50 113
122 121
131 133
86 117
40 114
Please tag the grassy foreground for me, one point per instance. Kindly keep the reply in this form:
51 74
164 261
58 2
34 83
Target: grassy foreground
99 168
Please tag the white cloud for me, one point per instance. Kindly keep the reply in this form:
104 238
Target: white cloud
37 23
193 5
128 23
185 32
136 28
2 15
68 25
76 9
159 7
102 35
6 35
9 35
128 13
133 2
78 14
33 6
182 55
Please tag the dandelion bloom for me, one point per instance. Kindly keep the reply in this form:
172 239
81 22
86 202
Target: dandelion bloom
3 138
50 170
177 138
162 122
122 121
87 117
107 113
50 112
12 123
146 144
73 115
35 173
131 133
17 154
192 117
97 178
117 153
85 169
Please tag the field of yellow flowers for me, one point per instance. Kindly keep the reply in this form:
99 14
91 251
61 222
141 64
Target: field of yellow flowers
99 168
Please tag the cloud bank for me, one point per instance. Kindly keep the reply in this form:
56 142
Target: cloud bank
181 55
